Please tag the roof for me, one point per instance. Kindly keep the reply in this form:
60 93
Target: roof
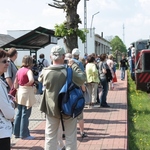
5 39
102 38
34 40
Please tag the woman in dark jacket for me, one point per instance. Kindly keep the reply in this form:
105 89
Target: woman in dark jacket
103 80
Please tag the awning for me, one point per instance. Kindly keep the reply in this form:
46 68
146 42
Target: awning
34 40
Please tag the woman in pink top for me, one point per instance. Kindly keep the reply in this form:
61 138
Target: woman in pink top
25 98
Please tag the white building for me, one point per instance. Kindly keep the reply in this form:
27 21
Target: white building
95 44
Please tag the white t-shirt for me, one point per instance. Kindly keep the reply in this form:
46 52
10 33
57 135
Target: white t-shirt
45 62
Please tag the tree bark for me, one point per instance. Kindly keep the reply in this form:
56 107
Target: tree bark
72 21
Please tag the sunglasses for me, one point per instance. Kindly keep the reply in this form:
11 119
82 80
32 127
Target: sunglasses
4 61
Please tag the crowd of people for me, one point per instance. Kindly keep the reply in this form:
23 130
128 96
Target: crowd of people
89 72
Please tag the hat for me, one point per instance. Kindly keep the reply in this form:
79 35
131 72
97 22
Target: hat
57 50
75 51
131 45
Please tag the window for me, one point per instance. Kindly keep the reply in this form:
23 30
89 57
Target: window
147 61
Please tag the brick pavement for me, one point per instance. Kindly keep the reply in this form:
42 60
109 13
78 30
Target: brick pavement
106 127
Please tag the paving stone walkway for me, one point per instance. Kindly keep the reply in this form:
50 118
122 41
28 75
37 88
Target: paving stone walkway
106 127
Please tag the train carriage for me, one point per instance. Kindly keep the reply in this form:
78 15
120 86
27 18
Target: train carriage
139 61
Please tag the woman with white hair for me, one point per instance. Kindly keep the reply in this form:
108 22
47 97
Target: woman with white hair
110 63
7 112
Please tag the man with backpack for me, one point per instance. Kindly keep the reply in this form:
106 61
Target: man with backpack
42 62
53 79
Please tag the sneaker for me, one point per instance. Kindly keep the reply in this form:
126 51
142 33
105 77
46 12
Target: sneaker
105 106
29 138
83 135
63 136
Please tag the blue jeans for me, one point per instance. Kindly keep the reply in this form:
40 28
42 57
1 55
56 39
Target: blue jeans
21 122
40 86
103 97
123 72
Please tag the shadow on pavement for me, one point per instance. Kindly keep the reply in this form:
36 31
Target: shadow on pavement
27 148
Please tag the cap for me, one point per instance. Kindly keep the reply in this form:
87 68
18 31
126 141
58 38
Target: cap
75 51
57 50
131 45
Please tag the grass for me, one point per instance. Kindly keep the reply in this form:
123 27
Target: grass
138 118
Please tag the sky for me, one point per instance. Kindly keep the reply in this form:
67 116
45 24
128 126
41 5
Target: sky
128 19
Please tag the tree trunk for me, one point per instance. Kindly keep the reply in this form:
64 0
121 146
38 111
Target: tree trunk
71 43
73 19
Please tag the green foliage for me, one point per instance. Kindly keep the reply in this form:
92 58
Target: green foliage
62 31
138 118
117 44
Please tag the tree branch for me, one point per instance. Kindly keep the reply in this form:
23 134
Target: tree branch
58 4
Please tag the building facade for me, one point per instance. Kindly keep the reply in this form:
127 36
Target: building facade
94 44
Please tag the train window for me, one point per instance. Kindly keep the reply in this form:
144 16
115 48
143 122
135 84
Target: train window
147 61
141 45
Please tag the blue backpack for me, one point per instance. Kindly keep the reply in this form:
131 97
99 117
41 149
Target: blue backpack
71 99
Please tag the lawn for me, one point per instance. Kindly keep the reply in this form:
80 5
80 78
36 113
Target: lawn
138 118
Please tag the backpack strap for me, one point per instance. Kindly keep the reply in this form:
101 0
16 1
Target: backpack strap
69 75
100 67
67 83
41 62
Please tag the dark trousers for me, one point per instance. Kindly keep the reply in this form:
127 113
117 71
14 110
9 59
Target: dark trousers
104 93
5 143
98 101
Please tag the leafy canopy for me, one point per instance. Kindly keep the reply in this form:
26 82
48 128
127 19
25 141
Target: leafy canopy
117 45
62 31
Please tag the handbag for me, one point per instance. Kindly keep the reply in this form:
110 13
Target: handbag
115 78
13 91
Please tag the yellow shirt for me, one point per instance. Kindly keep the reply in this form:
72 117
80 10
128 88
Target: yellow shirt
92 73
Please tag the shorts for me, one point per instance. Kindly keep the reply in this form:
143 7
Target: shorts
80 117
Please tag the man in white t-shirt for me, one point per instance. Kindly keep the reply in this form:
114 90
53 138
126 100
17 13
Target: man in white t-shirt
43 60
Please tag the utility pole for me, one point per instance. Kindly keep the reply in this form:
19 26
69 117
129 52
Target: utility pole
85 25
123 34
